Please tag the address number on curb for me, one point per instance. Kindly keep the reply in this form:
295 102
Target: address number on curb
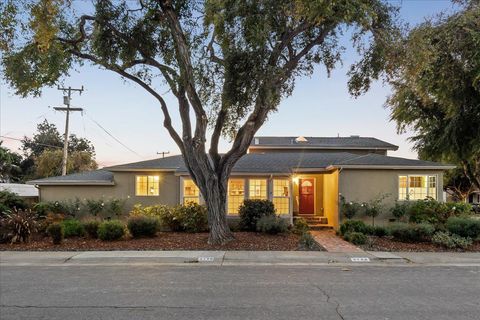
206 259
360 259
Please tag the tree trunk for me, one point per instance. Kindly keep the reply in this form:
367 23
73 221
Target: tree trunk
215 196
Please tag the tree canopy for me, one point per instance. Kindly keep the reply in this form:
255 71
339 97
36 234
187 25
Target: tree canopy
228 63
436 89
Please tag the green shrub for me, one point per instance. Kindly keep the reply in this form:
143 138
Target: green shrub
400 209
464 227
307 242
56 231
114 207
12 201
272 225
355 237
94 207
73 228
192 217
352 226
349 209
18 225
91 228
436 212
451 241
380 231
300 226
111 230
252 210
143 226
374 207
411 232
42 209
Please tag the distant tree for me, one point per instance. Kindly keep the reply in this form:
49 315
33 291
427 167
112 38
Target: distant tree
43 153
10 170
226 63
48 137
436 90
49 163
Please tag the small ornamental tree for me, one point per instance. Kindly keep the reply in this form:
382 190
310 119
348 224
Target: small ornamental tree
227 63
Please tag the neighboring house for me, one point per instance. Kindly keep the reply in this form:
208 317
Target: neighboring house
303 176
25 191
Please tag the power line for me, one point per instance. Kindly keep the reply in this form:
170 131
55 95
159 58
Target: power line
111 135
37 143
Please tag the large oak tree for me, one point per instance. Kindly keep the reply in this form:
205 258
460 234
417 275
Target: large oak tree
436 92
227 63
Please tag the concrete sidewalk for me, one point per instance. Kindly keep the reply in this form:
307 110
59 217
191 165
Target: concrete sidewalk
231 258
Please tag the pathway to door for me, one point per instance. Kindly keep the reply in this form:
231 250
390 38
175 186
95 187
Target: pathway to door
333 243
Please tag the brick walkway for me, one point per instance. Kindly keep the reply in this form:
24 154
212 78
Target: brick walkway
333 243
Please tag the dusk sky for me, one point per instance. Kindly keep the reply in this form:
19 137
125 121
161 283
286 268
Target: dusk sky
319 106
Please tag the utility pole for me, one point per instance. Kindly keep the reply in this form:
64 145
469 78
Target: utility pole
66 101
163 153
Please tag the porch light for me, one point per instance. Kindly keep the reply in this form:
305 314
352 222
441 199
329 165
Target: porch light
295 179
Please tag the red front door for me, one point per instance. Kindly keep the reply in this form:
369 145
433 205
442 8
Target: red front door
307 196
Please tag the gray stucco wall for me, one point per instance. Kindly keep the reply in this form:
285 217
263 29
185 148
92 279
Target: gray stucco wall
124 188
363 185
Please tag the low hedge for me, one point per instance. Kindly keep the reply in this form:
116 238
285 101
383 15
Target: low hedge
355 237
55 230
353 226
272 225
143 226
411 232
464 227
73 228
111 230
252 210
451 241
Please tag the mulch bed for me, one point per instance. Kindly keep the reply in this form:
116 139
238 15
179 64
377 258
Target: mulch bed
388 244
165 241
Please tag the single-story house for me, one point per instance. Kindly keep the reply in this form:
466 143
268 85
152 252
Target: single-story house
25 191
302 176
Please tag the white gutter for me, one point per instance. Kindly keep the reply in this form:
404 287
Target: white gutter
392 167
72 183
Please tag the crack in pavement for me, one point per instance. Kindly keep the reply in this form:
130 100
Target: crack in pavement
336 303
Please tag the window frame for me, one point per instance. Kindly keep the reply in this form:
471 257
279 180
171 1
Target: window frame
407 188
288 197
148 185
265 196
245 190
184 197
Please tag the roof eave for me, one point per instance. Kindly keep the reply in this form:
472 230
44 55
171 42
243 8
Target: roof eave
71 183
140 170
393 167
257 146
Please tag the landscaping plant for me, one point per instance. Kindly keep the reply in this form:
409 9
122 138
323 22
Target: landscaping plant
411 232
451 241
374 207
400 209
272 225
352 226
192 216
252 210
18 225
56 231
357 238
307 242
91 228
111 230
464 226
142 226
300 226
73 228
349 209
10 200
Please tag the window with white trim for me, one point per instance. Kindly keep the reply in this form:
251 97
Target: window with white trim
236 195
147 185
417 187
257 189
191 193
281 195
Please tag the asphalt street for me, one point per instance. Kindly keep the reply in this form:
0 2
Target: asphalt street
239 292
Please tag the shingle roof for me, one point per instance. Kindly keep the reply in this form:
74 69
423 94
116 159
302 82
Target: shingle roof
274 163
88 177
352 142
